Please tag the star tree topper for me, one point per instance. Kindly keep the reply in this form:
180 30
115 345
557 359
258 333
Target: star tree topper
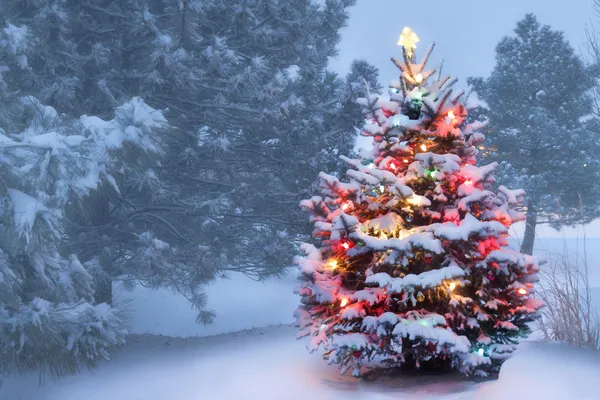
408 40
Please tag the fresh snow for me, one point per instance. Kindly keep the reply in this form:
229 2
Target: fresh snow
425 279
25 211
270 363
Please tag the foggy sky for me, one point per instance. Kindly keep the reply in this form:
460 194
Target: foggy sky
465 31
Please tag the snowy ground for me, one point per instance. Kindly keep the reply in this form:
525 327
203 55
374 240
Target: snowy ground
269 363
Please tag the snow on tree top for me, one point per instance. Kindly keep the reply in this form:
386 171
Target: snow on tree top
468 227
442 336
424 240
425 279
388 222
354 340
478 174
507 256
446 163
401 121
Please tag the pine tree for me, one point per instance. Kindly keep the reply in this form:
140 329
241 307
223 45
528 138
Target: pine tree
540 113
51 319
411 266
253 115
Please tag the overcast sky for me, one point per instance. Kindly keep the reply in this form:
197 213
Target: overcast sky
465 32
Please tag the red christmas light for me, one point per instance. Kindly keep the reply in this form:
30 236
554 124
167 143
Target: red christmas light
386 113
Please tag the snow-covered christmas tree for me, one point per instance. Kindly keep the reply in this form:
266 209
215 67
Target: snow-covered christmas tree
411 265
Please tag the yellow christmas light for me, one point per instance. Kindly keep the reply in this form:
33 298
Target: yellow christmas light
408 40
414 200
522 291
419 78
343 302
451 114
452 286
333 264
423 147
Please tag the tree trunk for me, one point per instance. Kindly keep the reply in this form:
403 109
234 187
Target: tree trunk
99 216
530 223
103 293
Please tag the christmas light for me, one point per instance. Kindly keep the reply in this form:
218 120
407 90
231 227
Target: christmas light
382 188
371 165
451 114
343 302
405 161
522 291
333 264
469 182
481 352
419 78
346 246
452 286
423 147
408 40
414 200
403 234
345 206
393 166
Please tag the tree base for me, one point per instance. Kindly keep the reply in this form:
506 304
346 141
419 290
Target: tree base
429 370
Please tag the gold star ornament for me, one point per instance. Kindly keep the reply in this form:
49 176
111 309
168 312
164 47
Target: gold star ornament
408 40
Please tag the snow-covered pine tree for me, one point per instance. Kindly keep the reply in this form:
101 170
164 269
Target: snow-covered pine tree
254 115
540 110
50 165
48 318
411 265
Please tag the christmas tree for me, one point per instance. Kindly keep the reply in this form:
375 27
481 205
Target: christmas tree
411 266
